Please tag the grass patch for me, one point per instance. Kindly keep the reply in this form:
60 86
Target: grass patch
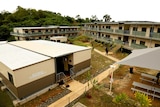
5 100
99 63
103 100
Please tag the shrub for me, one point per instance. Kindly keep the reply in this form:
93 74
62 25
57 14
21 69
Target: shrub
143 99
82 38
120 98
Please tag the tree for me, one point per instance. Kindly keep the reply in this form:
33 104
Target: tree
4 32
78 17
94 18
31 17
107 18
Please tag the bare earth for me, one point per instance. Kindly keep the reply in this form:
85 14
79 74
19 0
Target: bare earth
124 84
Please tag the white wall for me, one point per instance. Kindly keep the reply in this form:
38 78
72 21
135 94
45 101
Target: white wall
81 56
34 72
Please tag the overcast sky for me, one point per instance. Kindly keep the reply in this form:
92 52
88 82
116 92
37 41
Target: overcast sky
119 10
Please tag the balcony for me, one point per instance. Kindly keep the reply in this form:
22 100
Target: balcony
107 30
118 41
122 31
41 33
139 33
119 31
31 34
94 29
138 46
155 35
47 33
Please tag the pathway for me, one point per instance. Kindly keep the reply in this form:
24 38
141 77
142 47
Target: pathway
77 88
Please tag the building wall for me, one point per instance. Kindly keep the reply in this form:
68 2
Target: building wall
138 37
35 33
81 56
4 70
82 65
34 72
30 79
37 85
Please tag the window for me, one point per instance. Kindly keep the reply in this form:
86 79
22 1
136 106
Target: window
10 78
151 29
107 36
39 30
119 38
133 41
142 43
120 27
143 29
158 30
26 31
134 28
157 45
17 31
108 27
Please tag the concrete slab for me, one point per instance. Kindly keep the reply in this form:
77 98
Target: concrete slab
78 104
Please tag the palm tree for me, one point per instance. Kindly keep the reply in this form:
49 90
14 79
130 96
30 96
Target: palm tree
94 18
78 17
107 18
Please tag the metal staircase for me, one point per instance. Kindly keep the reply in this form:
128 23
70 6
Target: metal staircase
62 77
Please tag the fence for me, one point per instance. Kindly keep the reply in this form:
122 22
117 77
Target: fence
70 99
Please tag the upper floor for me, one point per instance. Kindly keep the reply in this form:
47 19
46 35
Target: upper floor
39 31
142 29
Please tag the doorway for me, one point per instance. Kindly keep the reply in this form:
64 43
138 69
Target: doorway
62 65
125 39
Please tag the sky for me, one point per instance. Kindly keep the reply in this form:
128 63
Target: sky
119 10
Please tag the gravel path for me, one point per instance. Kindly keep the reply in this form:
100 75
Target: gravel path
54 98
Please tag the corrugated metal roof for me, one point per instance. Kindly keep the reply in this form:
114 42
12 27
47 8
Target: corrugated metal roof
49 48
16 57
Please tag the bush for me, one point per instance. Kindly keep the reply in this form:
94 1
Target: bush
120 98
79 43
143 99
82 38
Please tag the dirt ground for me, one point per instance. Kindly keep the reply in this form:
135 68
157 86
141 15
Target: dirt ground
123 83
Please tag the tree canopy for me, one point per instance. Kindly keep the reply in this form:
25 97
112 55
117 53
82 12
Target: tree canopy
31 17
107 18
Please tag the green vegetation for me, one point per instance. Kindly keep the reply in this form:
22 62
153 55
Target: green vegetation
5 100
120 98
143 99
30 17
99 63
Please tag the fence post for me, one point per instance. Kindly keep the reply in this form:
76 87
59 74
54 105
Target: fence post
69 101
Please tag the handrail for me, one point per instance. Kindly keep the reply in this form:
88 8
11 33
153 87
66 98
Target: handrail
60 76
